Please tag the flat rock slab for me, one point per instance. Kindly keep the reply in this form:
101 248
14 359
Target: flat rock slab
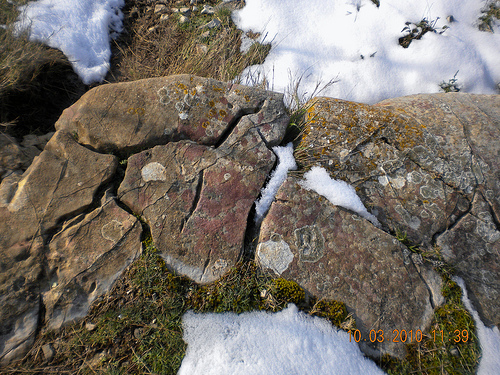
141 114
60 182
85 258
196 200
418 164
335 254
20 274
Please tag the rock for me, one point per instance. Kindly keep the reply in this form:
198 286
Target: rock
207 9
48 352
20 272
183 19
14 156
85 258
335 254
419 163
472 247
145 113
230 5
196 199
160 8
212 24
61 181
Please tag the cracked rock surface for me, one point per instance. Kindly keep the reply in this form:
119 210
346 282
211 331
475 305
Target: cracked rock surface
335 254
200 153
427 165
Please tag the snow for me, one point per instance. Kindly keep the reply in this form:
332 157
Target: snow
357 43
80 29
286 162
290 342
338 192
489 338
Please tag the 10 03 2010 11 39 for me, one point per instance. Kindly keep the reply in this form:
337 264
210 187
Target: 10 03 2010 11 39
408 336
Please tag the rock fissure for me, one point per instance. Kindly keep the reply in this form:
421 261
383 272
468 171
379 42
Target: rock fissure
456 221
196 200
234 122
204 161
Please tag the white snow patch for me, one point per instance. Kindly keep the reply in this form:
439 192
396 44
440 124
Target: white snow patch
489 338
80 29
283 343
286 162
337 192
356 43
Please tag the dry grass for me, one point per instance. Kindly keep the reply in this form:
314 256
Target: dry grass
36 82
155 48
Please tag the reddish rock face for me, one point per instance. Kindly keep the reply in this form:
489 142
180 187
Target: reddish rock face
195 189
335 254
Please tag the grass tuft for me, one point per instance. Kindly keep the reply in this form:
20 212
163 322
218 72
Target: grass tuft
417 31
36 81
491 14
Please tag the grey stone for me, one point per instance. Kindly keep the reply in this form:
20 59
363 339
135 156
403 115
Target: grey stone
85 258
335 254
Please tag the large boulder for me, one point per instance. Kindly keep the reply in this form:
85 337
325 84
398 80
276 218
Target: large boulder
426 165
197 198
141 114
336 254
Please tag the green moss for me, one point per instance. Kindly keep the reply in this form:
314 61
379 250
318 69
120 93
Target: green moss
287 290
334 311
450 346
238 291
